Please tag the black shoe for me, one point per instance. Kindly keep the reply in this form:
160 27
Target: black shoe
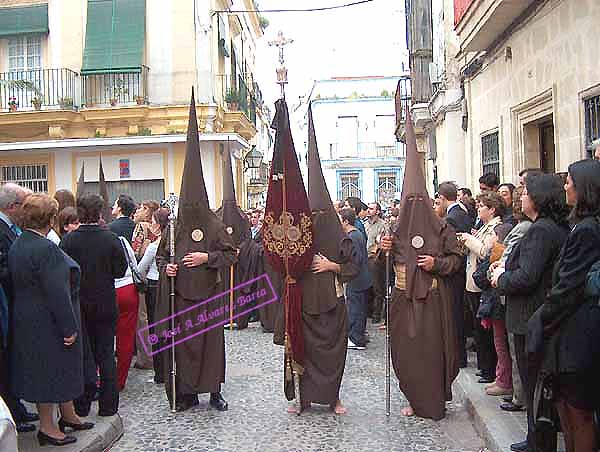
520 447
486 380
29 417
45 439
509 406
186 403
218 402
62 425
23 427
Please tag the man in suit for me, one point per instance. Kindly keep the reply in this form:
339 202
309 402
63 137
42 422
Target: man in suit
457 215
11 199
122 210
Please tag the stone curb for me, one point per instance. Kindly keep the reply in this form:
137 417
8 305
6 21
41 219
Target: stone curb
101 438
497 428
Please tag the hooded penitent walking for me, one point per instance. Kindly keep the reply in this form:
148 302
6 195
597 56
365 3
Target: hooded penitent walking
324 315
425 253
203 250
249 262
289 244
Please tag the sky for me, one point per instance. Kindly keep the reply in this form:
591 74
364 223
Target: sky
361 40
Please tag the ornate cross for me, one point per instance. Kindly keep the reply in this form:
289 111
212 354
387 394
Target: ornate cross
281 42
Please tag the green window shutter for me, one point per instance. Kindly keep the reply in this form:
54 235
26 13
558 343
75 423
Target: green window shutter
115 36
98 36
30 19
129 27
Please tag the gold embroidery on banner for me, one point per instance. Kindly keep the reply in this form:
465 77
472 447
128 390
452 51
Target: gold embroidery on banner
284 237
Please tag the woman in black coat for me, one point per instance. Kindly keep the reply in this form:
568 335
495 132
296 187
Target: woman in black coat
566 326
527 275
46 360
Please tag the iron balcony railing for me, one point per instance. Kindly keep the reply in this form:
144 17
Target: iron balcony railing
116 88
402 99
365 149
39 89
233 91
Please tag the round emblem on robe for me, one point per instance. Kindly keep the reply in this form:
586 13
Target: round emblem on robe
197 235
229 230
417 242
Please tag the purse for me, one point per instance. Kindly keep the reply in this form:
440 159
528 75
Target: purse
139 281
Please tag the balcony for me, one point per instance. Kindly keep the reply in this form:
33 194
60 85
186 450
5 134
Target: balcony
402 101
366 150
54 89
233 92
479 23
118 88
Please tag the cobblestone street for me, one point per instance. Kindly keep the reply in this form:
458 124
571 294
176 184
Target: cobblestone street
257 419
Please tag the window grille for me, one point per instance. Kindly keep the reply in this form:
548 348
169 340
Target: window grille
490 154
592 123
349 185
388 182
34 177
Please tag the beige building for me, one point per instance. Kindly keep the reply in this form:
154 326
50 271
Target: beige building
516 85
113 78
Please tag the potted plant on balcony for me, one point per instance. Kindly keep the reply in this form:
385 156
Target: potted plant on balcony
233 99
12 104
37 102
118 90
140 100
66 103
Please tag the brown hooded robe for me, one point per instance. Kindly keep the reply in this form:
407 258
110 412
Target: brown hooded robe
423 338
238 227
324 316
200 359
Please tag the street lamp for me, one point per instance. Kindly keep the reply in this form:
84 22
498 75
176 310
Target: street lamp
253 159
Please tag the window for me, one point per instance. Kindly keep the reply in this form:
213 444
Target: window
490 154
24 53
387 185
34 177
349 184
592 122
347 134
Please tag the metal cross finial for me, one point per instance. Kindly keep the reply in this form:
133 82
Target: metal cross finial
281 42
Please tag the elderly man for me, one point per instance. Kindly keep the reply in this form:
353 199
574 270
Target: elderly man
11 199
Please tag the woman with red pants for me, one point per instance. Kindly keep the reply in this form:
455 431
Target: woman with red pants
128 303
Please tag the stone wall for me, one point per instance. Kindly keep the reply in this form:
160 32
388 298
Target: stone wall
547 66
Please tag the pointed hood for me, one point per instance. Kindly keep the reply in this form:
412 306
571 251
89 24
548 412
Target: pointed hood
235 220
80 182
418 227
327 228
103 192
198 228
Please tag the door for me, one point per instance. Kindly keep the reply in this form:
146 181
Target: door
547 151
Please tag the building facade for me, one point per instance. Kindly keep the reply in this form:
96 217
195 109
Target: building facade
518 87
354 124
112 78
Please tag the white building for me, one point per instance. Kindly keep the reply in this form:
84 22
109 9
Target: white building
354 124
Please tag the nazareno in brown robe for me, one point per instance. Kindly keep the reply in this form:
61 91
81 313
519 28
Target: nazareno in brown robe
423 338
324 315
200 359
